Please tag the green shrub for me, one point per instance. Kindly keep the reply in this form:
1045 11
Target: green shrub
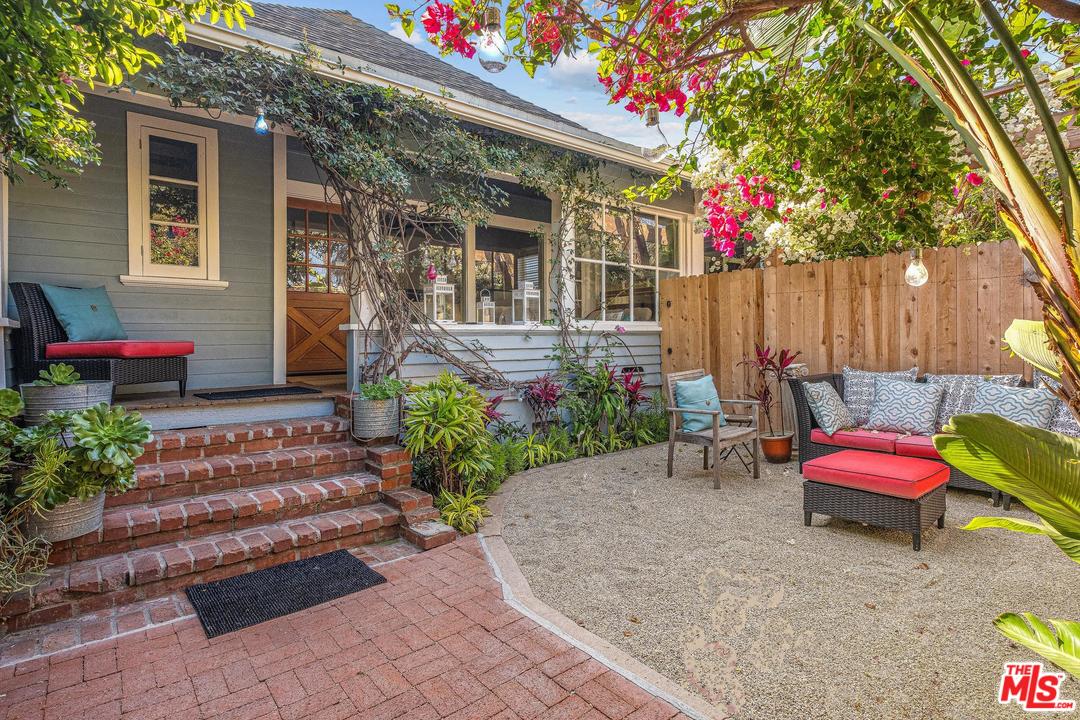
463 511
534 451
560 444
447 418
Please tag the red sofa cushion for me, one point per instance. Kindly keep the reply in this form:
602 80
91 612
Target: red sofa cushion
858 439
119 349
921 446
893 475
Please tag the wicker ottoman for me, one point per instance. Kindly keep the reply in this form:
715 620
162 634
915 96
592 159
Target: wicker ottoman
889 491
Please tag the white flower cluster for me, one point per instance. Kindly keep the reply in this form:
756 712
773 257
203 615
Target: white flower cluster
809 233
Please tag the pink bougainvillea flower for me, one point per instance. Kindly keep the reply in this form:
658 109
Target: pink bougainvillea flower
965 62
743 215
955 191
620 329
910 80
884 171
822 204
885 195
1025 53
748 235
821 189
974 178
797 165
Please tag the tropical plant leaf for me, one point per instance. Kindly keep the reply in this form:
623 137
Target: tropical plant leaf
1028 339
1062 649
1039 467
1069 546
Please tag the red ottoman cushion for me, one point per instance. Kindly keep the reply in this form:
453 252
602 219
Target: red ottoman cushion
859 439
902 477
921 446
119 349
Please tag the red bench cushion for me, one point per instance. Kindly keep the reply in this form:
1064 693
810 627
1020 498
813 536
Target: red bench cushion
119 349
858 439
893 475
921 446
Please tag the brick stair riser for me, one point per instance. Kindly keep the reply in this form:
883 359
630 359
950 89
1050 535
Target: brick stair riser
216 475
197 443
133 528
93 586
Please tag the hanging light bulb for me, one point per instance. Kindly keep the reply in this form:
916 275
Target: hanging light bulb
652 117
916 274
432 273
492 22
491 48
261 126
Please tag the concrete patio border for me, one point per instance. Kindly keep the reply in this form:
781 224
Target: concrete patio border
518 594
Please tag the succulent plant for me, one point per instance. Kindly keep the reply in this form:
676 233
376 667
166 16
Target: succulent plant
58 374
111 438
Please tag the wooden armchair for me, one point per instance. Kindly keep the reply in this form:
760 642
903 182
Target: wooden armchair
739 435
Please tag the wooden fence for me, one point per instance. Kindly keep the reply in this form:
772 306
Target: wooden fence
856 312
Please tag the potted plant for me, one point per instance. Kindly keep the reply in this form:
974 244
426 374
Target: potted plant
61 388
61 469
376 409
770 368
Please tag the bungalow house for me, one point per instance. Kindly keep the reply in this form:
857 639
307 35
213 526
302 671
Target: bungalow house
256 287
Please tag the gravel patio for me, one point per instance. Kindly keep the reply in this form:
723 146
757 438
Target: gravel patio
728 594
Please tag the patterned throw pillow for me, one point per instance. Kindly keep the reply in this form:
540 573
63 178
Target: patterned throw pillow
960 392
905 407
1063 421
829 410
859 389
1028 406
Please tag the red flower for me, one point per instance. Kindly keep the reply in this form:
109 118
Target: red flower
974 178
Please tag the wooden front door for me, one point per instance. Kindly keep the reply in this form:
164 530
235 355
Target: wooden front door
316 299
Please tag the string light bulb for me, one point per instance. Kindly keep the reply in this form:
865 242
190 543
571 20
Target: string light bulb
916 274
261 126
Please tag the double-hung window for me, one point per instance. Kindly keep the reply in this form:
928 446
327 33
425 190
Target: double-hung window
620 258
172 203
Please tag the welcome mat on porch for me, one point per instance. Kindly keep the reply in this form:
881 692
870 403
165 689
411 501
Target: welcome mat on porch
272 391
224 606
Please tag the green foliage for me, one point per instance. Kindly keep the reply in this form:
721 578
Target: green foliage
110 438
1062 649
57 374
11 404
559 444
22 559
446 418
534 450
463 511
48 47
386 389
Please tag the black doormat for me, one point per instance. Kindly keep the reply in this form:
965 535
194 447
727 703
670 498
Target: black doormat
224 606
258 393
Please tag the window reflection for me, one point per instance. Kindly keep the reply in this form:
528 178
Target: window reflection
503 260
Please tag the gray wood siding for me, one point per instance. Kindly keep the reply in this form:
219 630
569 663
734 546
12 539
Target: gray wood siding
78 237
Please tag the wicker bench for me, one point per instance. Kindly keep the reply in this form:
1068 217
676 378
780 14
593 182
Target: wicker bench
901 493
39 328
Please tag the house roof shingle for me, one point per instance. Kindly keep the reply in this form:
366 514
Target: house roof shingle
338 31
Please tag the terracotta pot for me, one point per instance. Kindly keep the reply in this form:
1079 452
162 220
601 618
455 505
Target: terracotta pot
777 448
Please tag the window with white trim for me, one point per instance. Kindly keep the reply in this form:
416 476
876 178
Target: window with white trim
172 201
619 259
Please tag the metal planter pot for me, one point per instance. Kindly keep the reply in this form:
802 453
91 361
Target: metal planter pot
43 399
70 520
375 418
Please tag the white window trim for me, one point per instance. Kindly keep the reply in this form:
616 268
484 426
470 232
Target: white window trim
140 271
684 260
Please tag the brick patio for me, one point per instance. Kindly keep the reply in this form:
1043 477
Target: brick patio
436 641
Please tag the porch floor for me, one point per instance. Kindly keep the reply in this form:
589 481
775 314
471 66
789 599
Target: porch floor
436 641
172 399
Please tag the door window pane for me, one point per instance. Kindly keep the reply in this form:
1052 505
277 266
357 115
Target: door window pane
296 220
174 245
317 222
337 281
337 226
316 252
339 254
294 250
176 159
295 277
588 290
316 279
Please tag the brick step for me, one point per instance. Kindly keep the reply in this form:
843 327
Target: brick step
190 478
95 585
216 440
134 527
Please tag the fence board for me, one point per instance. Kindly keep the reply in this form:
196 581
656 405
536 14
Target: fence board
856 312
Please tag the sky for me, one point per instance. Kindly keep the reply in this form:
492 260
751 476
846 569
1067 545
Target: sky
569 89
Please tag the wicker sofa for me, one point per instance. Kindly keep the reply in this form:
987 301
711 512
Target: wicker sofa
919 446
39 328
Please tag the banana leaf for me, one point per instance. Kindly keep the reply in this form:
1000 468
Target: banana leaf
1068 545
1039 467
1062 649
1028 339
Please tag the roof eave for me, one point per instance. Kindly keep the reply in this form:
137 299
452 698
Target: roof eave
462 105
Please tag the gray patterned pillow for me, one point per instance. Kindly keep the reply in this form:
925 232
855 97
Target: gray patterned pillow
1028 406
960 392
1063 421
905 407
829 410
859 389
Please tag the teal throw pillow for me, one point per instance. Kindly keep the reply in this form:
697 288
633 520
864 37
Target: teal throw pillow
829 410
86 313
698 394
